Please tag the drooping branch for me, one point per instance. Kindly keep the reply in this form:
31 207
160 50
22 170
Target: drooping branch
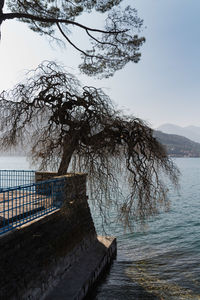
78 129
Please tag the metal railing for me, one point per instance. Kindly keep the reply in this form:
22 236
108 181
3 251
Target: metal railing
14 178
24 203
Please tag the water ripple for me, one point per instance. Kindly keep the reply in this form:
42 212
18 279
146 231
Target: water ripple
164 261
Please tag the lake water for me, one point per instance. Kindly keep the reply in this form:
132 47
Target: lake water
14 163
162 262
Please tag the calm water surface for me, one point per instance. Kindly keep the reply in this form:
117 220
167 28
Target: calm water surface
164 261
14 163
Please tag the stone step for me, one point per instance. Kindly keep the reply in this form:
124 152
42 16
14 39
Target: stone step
78 281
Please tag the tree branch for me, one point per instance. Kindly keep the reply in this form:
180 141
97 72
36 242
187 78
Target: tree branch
10 16
67 125
77 48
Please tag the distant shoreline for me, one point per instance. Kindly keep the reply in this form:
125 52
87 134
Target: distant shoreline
177 156
13 155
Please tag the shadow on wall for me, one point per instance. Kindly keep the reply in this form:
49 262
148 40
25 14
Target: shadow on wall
35 257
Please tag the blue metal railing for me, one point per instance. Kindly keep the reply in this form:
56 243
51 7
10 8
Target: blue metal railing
14 178
24 203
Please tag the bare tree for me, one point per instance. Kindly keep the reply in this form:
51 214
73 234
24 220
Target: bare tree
111 48
70 127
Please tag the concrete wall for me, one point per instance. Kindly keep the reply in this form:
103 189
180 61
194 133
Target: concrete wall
34 257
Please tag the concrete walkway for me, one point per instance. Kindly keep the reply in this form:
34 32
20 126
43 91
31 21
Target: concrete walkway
80 278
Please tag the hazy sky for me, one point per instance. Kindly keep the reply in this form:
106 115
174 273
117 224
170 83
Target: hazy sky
164 87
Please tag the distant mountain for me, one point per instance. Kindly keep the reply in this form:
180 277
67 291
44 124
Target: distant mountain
178 146
191 132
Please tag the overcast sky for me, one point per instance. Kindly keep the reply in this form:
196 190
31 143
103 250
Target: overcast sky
164 87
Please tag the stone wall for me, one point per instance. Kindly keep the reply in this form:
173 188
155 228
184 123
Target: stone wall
34 257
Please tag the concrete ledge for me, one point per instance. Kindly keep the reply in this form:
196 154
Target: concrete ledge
76 283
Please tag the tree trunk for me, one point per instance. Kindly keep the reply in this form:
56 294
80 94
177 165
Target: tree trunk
69 147
1 13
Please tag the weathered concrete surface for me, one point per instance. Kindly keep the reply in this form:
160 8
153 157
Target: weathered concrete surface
37 254
76 283
59 250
